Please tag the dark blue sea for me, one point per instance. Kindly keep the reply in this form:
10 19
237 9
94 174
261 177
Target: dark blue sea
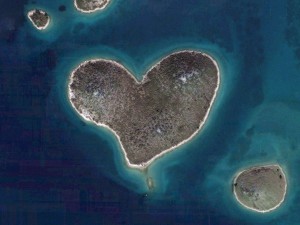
56 168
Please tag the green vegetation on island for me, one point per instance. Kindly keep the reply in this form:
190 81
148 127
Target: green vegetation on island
260 188
88 6
39 18
153 116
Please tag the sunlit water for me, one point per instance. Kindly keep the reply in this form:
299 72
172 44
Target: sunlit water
65 169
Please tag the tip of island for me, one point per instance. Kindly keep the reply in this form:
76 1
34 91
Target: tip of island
153 116
260 188
89 6
39 18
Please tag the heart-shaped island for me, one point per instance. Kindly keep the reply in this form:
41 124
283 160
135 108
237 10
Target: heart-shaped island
153 116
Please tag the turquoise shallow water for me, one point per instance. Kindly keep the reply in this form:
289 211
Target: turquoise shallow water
62 168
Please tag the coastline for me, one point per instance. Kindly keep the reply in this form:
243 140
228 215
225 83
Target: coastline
144 165
256 210
92 10
31 12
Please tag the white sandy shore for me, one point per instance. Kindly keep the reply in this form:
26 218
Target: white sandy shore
31 12
256 210
145 164
91 11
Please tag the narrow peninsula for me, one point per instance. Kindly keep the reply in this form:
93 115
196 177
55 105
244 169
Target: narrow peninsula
149 117
39 18
260 188
89 6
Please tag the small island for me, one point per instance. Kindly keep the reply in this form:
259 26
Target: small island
39 18
260 188
89 6
153 116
